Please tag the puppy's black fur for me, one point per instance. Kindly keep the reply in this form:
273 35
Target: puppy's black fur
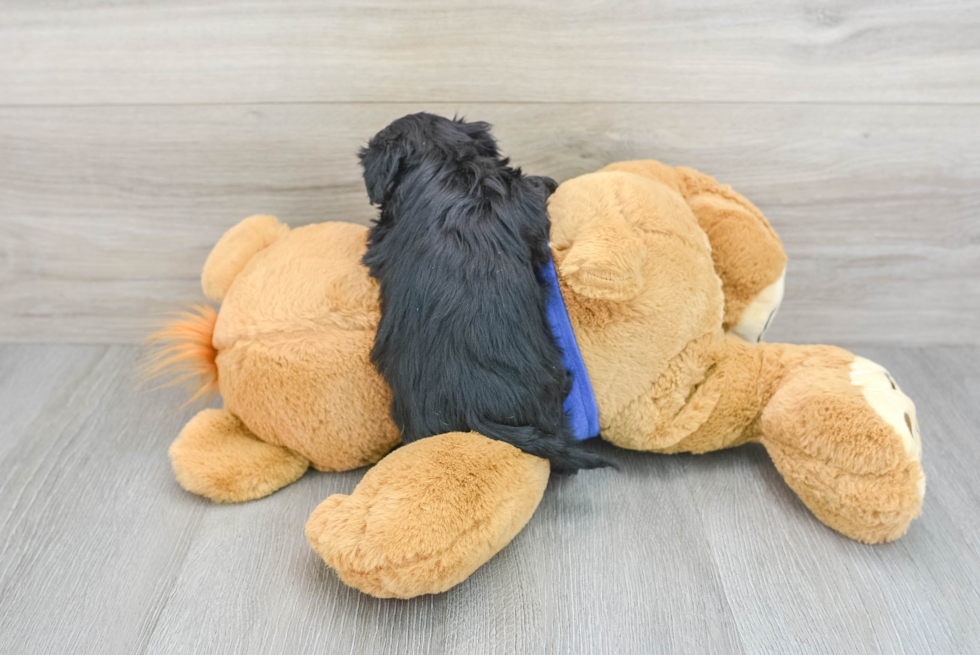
464 340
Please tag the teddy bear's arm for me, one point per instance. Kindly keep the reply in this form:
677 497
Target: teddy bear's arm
216 456
234 250
747 253
428 515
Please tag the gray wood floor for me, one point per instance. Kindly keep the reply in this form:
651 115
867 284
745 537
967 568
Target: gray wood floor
102 552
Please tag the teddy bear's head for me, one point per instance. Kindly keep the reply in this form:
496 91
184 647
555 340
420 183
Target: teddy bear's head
637 279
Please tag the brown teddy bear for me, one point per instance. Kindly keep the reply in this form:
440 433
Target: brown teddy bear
669 279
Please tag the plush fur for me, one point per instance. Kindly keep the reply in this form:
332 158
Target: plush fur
464 340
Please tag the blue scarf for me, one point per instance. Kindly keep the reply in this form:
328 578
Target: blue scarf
580 405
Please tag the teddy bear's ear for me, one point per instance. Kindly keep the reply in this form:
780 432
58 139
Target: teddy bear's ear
605 262
235 249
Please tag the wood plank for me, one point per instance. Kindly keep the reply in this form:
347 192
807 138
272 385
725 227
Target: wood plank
29 377
107 214
620 565
268 592
93 527
799 585
192 51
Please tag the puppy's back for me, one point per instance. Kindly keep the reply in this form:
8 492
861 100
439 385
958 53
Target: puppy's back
463 339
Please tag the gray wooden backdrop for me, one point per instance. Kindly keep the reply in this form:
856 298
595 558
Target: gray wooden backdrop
132 134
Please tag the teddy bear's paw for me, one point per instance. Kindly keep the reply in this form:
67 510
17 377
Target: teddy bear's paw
846 439
758 315
216 456
428 515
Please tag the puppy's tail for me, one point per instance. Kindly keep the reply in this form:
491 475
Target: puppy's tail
574 457
183 346
565 453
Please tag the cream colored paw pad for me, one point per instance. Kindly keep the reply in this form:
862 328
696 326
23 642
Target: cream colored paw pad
887 399
759 314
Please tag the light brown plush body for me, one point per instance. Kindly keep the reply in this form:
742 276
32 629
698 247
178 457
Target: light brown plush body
669 279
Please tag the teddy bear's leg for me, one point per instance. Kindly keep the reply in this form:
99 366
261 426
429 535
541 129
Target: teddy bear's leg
845 438
216 456
747 253
428 515
837 427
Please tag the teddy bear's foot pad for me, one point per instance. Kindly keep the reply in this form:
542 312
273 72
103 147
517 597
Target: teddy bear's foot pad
216 456
887 399
428 515
757 317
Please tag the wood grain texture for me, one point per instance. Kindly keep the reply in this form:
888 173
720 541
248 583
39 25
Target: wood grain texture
86 541
32 375
192 51
101 551
107 213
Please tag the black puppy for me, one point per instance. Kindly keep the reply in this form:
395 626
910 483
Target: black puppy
464 340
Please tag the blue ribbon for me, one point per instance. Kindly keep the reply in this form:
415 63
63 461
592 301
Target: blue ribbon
580 405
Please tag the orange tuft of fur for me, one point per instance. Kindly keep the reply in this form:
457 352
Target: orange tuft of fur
185 349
